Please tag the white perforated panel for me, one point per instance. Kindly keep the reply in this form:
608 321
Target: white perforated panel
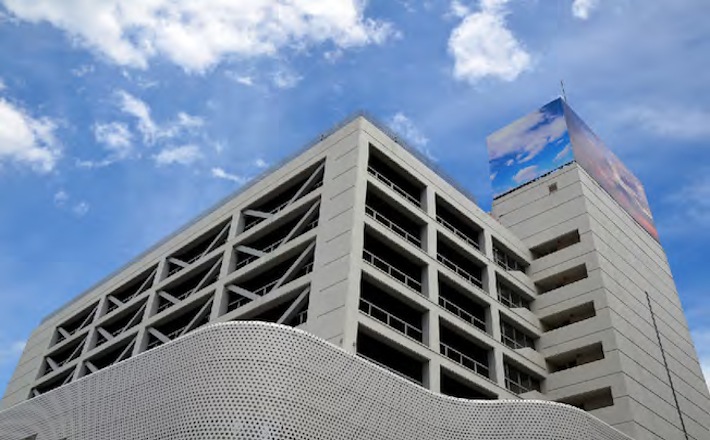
251 380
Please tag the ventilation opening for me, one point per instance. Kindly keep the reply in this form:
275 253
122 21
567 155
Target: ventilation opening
556 244
125 321
199 248
457 261
552 188
189 284
386 355
388 214
393 176
462 350
576 357
457 223
592 400
562 279
76 323
131 289
568 317
391 311
393 262
454 386
461 303
285 195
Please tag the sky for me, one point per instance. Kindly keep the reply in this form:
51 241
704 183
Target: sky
121 121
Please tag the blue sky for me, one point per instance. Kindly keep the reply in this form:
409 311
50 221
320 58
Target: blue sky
119 124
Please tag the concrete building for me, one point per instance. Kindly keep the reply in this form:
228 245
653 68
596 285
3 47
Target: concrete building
558 295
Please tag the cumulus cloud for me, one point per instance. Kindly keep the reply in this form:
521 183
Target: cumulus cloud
198 36
184 155
25 140
582 8
222 174
483 46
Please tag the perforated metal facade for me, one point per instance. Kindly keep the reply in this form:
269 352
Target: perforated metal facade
263 381
357 241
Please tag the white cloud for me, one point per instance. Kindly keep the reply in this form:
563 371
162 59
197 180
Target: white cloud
525 174
221 174
582 8
401 124
151 130
83 70
482 45
261 163
527 136
12 351
701 338
25 140
564 152
80 209
184 155
198 36
286 79
245 80
60 198
677 123
115 136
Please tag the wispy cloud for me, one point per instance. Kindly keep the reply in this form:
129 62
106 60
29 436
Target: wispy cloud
525 174
286 79
26 140
403 125
482 45
62 200
115 136
184 155
10 351
676 123
132 32
222 174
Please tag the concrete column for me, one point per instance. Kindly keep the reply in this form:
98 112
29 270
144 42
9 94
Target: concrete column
431 335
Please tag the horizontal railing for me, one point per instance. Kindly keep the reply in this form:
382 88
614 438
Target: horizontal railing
388 368
392 271
390 320
393 186
459 271
463 314
237 302
389 224
458 233
462 359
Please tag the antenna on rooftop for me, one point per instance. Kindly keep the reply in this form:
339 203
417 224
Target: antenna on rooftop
564 94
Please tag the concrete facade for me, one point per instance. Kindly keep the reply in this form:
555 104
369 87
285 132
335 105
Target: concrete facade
357 241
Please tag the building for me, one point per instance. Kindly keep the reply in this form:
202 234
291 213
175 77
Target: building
560 295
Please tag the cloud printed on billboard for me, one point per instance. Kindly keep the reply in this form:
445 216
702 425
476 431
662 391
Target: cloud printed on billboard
611 174
529 147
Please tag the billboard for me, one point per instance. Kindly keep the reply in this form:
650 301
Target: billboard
528 148
609 172
554 136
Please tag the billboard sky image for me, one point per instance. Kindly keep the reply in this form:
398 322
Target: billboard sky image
529 147
611 174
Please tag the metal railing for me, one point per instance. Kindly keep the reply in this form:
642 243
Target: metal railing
459 271
393 186
388 368
389 224
237 302
458 233
273 246
463 314
392 271
390 320
462 359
